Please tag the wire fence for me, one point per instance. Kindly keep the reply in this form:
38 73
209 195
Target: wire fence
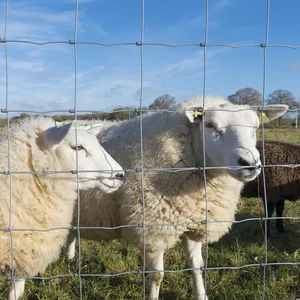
141 169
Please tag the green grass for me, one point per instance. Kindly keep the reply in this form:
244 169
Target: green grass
241 246
288 135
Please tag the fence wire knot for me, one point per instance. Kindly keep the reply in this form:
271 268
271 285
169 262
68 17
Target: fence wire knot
263 265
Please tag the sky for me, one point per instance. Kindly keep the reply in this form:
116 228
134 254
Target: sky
42 77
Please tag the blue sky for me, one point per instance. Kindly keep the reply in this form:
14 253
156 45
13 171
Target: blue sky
42 77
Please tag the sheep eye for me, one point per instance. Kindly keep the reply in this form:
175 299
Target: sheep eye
209 125
79 147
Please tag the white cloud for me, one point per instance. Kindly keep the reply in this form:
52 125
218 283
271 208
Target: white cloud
222 3
192 62
28 21
42 77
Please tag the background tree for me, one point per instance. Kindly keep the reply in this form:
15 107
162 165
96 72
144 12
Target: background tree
163 102
281 96
247 95
128 113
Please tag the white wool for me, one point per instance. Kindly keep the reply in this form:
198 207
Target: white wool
170 198
44 201
35 202
209 101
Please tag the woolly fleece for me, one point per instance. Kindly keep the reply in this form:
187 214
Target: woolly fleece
38 202
170 198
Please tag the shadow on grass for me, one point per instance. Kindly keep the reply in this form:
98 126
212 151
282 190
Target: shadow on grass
251 232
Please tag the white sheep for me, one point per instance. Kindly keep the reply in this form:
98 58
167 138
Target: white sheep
42 201
174 140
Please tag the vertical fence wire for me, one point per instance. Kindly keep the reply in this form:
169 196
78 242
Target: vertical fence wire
13 281
141 138
263 147
204 149
77 174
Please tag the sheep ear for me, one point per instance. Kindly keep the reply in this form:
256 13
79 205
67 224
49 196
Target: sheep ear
194 114
54 135
271 114
92 128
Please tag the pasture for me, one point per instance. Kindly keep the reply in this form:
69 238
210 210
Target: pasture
242 246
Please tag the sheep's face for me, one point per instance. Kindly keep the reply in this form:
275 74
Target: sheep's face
91 157
230 139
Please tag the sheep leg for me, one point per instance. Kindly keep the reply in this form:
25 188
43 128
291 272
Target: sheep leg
271 207
16 289
279 213
155 261
195 260
71 243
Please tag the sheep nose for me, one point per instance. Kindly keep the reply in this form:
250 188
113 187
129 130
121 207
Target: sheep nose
120 176
243 162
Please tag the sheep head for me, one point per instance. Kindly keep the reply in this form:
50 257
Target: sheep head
230 136
61 141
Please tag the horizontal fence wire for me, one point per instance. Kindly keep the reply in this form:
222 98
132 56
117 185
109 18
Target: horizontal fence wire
141 225
134 43
74 114
139 272
72 111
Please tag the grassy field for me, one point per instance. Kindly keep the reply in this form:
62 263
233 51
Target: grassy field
241 246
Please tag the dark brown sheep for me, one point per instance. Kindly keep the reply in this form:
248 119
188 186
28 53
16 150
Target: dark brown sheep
282 183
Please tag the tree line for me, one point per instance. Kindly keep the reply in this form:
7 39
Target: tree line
253 97
248 95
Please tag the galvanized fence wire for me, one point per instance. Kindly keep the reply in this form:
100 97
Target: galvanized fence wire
8 150
77 174
141 169
204 148
141 136
263 143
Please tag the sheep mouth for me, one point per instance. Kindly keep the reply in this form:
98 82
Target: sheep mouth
244 175
111 183
107 185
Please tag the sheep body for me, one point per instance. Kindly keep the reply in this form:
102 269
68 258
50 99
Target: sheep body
171 140
182 202
282 183
39 202
170 198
